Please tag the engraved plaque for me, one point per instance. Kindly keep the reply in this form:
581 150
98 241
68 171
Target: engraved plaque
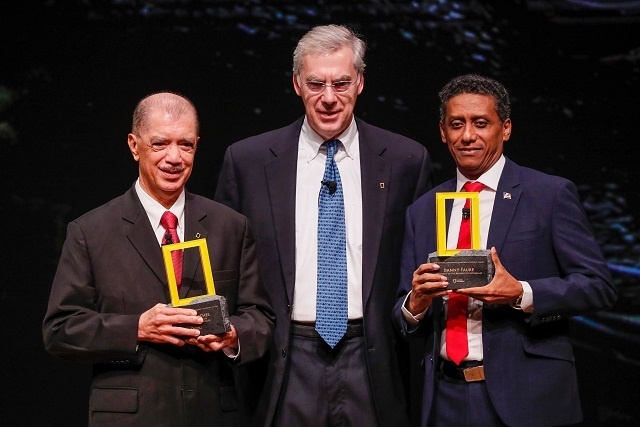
464 268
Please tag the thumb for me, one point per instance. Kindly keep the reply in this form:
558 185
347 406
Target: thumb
495 258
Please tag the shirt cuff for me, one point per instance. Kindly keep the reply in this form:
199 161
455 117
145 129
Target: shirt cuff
526 304
410 318
232 353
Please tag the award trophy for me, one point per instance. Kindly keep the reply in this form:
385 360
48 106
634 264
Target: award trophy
211 307
464 268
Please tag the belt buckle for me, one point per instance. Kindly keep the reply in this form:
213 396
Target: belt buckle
474 374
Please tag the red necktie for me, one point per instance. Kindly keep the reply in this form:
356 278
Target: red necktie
170 222
457 342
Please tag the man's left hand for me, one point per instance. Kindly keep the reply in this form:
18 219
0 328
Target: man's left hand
211 343
503 289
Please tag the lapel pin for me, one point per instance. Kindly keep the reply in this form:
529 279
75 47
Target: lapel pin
382 185
506 195
197 235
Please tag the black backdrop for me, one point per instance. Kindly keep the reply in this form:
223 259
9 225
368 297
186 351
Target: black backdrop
71 73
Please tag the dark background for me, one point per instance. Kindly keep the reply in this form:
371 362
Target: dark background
72 71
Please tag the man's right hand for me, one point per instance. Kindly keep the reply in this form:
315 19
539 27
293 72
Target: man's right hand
158 325
426 285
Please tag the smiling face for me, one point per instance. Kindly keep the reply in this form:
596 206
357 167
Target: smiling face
473 132
165 148
329 113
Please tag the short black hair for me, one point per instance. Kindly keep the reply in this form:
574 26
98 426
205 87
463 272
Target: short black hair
479 85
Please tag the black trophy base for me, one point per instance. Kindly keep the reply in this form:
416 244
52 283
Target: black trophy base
214 312
466 269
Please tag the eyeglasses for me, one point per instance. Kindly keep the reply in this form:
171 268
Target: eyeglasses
338 87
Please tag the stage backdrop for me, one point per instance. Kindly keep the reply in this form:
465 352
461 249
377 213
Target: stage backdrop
71 73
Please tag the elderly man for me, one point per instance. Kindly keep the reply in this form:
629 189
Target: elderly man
499 354
326 196
108 303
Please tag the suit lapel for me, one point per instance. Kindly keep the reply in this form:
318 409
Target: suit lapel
280 174
141 235
507 197
375 173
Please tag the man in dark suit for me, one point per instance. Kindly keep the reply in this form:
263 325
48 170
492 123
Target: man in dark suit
518 366
276 180
108 303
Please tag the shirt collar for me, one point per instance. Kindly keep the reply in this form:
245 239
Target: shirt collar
155 210
490 178
311 142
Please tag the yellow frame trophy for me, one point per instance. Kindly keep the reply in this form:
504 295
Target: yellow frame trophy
464 268
211 307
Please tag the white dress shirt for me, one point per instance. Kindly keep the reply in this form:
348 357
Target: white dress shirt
155 210
310 170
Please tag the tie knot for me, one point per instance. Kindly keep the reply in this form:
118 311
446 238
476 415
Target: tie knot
473 187
169 221
332 147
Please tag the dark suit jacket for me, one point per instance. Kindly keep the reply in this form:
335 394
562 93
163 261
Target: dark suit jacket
542 236
111 270
258 179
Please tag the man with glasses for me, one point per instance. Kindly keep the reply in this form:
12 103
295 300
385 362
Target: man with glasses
326 197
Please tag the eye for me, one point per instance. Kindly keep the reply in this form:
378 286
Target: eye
456 125
315 86
157 146
187 146
481 123
341 86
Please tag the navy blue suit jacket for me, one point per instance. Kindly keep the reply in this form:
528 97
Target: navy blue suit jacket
258 179
542 236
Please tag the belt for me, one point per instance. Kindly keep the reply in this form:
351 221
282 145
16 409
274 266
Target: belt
355 328
470 371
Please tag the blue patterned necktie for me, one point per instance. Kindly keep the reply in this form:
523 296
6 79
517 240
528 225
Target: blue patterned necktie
331 300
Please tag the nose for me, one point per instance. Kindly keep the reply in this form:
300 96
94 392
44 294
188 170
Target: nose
329 95
173 154
469 134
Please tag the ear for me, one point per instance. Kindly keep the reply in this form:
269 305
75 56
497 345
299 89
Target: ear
132 141
506 130
361 84
296 84
442 137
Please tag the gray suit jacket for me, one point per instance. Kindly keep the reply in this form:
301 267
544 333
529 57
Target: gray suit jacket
258 179
110 271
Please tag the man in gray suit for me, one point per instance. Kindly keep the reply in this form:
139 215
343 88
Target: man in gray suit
108 303
275 180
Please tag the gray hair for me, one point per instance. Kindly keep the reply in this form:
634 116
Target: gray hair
172 103
327 39
478 85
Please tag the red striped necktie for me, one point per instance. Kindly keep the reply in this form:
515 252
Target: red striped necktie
170 222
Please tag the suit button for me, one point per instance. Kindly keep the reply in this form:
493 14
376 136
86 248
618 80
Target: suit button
284 353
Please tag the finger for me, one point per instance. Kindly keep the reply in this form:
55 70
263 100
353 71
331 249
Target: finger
495 258
427 268
182 332
184 320
174 311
